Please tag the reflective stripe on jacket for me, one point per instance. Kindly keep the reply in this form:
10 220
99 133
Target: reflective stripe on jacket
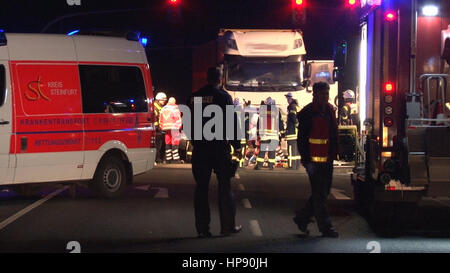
270 123
156 110
317 134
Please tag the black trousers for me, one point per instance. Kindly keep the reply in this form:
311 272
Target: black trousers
204 161
270 147
320 177
160 149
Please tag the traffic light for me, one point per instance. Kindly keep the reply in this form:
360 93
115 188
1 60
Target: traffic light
352 3
298 11
297 3
174 11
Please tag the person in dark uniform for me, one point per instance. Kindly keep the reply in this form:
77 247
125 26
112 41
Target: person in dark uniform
214 155
291 132
317 144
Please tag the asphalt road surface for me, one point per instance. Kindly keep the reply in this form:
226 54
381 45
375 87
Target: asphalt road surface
156 215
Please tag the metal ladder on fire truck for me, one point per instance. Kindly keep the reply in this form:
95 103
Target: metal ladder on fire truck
428 136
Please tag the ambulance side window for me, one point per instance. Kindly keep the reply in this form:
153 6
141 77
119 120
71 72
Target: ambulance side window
112 89
2 85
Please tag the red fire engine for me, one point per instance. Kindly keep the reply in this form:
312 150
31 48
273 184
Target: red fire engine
403 99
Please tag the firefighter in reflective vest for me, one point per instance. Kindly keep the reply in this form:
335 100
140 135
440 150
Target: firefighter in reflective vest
317 143
269 125
349 112
291 132
159 102
170 122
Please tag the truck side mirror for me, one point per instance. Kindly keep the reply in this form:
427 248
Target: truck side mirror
307 71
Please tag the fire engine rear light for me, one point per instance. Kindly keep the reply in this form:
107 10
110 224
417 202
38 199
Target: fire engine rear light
388 110
390 188
430 10
388 122
388 99
390 16
389 87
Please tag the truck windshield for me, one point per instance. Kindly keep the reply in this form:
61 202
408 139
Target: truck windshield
262 76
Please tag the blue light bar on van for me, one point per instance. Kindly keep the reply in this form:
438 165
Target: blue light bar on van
3 40
143 41
73 32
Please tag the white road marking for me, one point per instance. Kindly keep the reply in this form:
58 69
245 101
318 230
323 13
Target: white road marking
162 193
30 207
241 187
338 194
255 229
143 188
246 203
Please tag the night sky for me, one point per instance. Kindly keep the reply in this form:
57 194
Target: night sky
174 32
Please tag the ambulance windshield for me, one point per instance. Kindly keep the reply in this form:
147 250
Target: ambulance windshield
263 76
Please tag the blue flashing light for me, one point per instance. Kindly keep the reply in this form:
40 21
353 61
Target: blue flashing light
132 101
1 30
73 32
143 41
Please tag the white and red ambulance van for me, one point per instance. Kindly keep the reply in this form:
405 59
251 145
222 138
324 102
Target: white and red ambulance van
74 108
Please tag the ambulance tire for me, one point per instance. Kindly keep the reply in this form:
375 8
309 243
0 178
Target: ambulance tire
110 178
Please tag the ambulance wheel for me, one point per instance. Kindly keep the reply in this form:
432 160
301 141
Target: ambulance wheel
110 179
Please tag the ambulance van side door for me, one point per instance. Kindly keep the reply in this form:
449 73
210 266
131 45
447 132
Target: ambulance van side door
5 124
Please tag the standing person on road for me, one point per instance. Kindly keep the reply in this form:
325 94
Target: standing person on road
317 143
170 123
270 124
159 102
214 155
291 133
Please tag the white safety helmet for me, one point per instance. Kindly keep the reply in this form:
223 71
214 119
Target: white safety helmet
172 101
349 94
269 101
161 96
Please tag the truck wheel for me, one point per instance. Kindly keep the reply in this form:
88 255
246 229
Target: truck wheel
110 179
383 219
